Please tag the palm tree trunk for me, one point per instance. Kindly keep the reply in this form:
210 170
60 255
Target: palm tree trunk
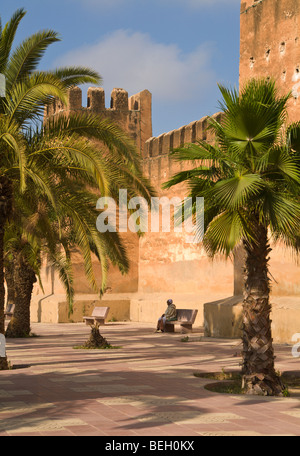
2 289
96 340
10 282
3 361
24 279
5 209
259 376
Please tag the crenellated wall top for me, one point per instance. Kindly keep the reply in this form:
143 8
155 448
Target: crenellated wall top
190 133
120 101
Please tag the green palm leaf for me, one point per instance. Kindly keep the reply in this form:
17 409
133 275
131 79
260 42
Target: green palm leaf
25 59
7 37
73 76
251 167
28 98
237 191
225 233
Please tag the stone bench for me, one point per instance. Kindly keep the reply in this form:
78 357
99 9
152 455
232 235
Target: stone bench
185 318
9 311
98 316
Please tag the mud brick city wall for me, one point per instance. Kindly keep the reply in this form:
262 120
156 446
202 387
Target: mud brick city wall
270 48
160 262
133 114
167 262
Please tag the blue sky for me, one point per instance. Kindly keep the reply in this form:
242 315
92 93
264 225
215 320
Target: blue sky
177 49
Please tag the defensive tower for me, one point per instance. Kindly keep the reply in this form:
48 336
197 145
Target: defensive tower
269 46
133 114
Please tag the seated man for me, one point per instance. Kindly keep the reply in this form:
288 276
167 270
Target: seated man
169 315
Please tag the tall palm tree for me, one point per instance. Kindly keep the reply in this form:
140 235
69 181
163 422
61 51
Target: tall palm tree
27 92
57 177
59 155
250 183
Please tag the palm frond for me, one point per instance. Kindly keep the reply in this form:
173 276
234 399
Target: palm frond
89 125
28 97
73 76
7 37
63 266
15 152
237 191
226 231
25 59
251 175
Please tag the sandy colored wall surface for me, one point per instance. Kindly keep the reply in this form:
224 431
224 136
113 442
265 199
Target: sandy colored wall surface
168 263
270 47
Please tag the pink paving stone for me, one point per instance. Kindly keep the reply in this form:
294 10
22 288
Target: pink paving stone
84 430
155 433
26 434
65 433
52 356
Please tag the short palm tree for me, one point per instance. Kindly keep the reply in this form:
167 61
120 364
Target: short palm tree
250 183
36 231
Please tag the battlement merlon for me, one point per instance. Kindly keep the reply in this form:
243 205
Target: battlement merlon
163 144
133 114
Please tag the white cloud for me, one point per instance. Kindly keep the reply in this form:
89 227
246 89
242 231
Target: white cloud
135 62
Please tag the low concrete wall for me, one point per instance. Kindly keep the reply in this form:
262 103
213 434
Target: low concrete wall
54 309
224 318
221 318
285 318
131 307
149 309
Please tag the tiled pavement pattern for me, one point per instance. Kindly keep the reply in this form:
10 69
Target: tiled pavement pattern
145 388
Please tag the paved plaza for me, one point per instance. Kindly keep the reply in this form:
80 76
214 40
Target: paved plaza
144 388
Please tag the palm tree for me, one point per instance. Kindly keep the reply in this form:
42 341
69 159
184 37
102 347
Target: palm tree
61 164
59 155
250 183
37 231
27 92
